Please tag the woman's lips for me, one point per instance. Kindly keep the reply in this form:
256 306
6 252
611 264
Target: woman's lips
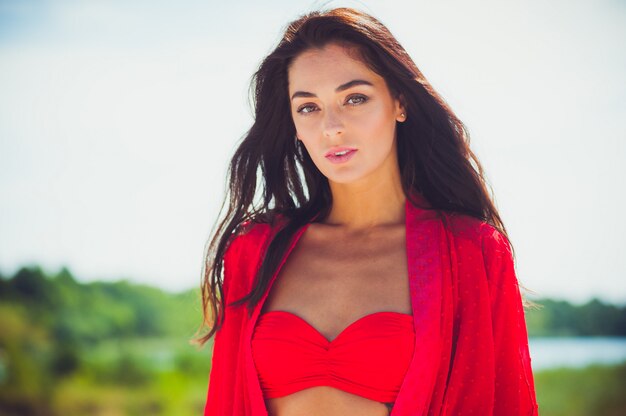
342 158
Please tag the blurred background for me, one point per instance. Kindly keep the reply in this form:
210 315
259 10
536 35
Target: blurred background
118 119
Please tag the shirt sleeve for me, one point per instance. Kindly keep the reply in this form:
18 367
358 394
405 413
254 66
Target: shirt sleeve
221 395
514 385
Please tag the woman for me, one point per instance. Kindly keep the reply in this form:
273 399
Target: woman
372 274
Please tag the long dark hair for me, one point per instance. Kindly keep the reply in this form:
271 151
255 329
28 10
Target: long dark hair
433 151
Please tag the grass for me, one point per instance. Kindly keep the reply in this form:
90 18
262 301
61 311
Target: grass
169 393
590 391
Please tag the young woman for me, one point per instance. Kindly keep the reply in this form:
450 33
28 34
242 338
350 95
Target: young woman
370 274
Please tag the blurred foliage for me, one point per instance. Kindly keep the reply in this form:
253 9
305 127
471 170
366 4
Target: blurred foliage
72 348
561 318
117 348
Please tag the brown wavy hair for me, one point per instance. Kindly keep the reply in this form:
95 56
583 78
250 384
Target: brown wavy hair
270 175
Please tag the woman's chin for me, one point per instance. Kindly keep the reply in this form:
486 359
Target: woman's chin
347 178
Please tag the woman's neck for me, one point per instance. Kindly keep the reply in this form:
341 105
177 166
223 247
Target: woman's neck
360 208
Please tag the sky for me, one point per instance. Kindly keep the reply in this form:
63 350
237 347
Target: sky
118 119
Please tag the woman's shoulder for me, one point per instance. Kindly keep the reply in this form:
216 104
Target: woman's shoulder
460 225
467 229
254 232
481 251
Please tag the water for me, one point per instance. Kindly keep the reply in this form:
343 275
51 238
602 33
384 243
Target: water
548 352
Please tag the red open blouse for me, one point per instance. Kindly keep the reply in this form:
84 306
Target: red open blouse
470 351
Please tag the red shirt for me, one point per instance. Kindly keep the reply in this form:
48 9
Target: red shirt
471 351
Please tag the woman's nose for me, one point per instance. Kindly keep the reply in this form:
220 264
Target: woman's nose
333 125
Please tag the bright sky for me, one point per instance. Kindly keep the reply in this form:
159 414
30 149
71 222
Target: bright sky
118 118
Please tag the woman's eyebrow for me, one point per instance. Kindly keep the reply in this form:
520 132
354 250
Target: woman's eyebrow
340 88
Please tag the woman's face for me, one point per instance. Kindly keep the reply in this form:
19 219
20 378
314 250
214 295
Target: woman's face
338 102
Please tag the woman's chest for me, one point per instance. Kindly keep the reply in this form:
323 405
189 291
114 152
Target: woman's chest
333 282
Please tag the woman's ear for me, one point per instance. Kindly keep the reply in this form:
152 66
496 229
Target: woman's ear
401 114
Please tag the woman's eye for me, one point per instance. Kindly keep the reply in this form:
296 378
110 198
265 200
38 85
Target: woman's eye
306 109
357 99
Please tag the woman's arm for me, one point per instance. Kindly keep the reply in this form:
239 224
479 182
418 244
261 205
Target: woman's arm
514 385
222 380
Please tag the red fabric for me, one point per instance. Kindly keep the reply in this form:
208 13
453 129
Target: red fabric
471 351
368 358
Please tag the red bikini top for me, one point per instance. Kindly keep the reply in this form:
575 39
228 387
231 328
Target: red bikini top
368 358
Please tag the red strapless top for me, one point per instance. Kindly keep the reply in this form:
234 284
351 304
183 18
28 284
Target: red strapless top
369 358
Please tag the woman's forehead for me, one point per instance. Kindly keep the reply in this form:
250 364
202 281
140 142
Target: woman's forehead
328 67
